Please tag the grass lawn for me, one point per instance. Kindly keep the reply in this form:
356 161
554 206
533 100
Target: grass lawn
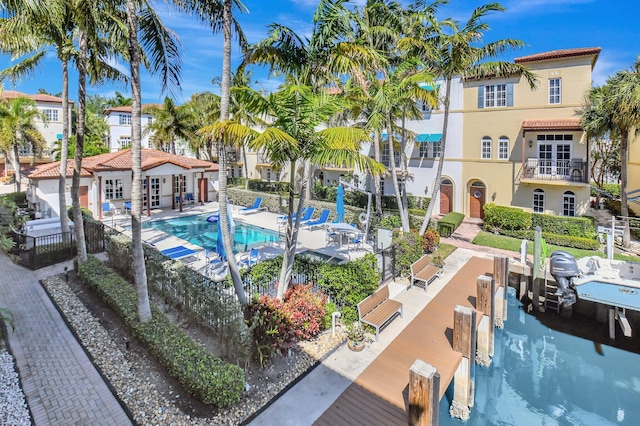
488 239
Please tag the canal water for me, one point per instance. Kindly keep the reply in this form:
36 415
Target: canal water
542 376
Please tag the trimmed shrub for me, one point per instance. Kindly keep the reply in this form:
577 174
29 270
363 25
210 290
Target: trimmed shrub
409 248
505 218
558 240
349 283
19 198
391 221
203 375
563 225
449 223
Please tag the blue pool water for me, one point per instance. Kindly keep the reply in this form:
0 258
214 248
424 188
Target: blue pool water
198 231
540 376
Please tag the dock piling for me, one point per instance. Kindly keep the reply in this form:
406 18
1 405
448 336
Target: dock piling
424 398
464 342
486 306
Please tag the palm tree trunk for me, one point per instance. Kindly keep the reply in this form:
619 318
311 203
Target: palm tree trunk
225 89
376 178
16 165
137 250
624 204
77 167
394 178
246 168
291 236
436 183
64 150
404 166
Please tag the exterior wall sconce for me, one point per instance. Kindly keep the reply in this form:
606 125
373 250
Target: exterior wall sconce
164 180
493 196
530 143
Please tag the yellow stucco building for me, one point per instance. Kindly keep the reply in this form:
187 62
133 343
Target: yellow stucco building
524 147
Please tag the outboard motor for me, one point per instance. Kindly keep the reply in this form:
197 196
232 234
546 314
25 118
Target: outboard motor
563 269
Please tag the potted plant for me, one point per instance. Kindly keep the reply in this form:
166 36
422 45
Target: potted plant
355 337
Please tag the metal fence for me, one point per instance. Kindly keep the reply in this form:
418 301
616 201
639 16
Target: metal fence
38 252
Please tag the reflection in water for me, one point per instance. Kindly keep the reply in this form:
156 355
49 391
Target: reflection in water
540 376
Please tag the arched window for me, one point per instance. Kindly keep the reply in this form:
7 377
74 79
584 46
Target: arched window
485 153
503 148
568 204
538 201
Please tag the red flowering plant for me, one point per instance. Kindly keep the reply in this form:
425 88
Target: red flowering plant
271 326
306 309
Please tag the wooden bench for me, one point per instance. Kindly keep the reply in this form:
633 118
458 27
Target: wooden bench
377 309
423 271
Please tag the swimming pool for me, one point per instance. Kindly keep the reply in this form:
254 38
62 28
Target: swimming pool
196 230
540 376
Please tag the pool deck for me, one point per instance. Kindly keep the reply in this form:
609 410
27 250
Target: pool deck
307 240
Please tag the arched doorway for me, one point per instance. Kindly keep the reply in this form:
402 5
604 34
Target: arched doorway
446 196
477 195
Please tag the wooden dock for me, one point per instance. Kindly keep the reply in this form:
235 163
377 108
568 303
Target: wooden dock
379 396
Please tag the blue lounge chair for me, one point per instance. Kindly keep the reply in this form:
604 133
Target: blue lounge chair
252 209
322 220
283 218
127 206
178 252
109 209
307 215
189 198
250 258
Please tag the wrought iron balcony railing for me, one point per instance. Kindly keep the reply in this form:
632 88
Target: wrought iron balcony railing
555 170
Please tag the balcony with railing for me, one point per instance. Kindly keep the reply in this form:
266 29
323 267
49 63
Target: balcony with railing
262 159
233 157
386 160
537 170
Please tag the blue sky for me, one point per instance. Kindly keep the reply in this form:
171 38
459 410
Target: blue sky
543 25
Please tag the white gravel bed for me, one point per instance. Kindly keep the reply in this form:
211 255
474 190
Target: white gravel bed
13 408
147 405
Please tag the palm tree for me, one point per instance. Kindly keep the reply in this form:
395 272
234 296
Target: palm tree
29 33
460 52
219 14
163 48
170 123
615 109
17 130
293 139
200 110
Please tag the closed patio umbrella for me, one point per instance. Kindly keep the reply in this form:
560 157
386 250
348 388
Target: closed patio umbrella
340 204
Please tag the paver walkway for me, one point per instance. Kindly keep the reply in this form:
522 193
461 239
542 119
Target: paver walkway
61 384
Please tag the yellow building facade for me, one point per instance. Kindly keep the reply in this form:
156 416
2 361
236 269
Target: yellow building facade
524 147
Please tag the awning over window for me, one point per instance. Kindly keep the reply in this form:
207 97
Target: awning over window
426 137
430 87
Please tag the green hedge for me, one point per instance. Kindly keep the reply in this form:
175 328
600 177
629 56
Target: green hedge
556 239
501 218
20 198
563 225
203 375
275 187
449 223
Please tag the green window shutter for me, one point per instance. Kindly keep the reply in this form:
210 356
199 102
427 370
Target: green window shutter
481 97
509 94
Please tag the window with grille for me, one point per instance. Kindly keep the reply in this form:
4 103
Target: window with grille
176 183
486 148
113 189
495 95
555 87
124 119
503 148
125 142
437 149
424 150
538 201
51 114
568 204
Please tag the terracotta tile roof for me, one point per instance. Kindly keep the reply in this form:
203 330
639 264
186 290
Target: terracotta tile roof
39 97
126 108
553 124
51 171
121 161
556 54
